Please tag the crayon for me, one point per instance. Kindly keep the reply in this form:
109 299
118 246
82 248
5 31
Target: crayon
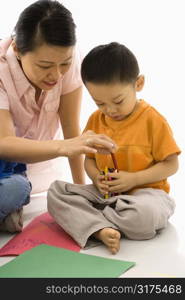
106 178
114 162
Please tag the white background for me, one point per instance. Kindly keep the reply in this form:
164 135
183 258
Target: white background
154 30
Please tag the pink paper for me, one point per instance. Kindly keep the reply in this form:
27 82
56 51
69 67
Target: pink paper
42 230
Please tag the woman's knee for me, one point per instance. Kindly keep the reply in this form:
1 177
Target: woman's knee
14 193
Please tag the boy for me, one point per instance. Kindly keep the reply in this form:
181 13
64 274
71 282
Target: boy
146 156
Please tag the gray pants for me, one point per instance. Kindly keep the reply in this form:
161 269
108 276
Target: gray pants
80 210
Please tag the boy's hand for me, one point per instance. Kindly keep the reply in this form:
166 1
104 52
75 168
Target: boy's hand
103 188
121 182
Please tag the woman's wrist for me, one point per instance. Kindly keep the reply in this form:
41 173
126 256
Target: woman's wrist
60 148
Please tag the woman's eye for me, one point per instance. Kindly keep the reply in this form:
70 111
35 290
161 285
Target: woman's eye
67 64
42 67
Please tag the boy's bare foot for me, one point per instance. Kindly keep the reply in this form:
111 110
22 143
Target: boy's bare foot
110 237
13 222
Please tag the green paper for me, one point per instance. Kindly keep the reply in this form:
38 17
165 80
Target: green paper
45 261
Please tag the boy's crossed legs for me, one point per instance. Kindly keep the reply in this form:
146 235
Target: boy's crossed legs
138 216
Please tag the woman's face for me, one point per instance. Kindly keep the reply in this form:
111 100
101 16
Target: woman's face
46 64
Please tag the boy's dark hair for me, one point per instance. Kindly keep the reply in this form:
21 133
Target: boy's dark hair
44 21
110 63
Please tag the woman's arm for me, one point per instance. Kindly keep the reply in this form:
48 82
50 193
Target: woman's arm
69 113
13 148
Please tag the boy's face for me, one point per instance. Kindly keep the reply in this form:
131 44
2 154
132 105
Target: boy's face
116 100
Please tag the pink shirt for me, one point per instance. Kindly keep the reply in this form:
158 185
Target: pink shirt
33 120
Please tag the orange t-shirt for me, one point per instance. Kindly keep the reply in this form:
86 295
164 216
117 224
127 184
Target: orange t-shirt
144 138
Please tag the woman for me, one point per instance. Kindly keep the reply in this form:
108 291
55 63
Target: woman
40 88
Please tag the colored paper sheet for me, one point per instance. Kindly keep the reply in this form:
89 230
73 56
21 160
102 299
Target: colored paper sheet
42 230
45 261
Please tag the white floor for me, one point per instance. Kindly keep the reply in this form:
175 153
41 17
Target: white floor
163 256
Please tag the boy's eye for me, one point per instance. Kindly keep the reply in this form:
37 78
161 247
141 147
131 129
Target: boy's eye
119 102
98 104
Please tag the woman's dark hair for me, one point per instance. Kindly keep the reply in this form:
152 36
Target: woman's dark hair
110 63
44 21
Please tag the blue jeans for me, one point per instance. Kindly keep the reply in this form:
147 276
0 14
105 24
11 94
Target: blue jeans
14 193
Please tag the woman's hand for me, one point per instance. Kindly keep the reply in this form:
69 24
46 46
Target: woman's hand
89 142
121 182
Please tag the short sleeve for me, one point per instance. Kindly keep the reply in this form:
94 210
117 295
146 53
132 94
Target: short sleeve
163 143
72 78
4 102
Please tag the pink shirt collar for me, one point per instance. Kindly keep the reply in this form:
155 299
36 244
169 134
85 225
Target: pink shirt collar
22 83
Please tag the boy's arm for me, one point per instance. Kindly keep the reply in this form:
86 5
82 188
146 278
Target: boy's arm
95 176
91 168
159 171
125 181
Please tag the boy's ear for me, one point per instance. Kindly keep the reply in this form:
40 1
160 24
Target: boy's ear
140 83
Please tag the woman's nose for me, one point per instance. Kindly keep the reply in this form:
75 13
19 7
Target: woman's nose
55 73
